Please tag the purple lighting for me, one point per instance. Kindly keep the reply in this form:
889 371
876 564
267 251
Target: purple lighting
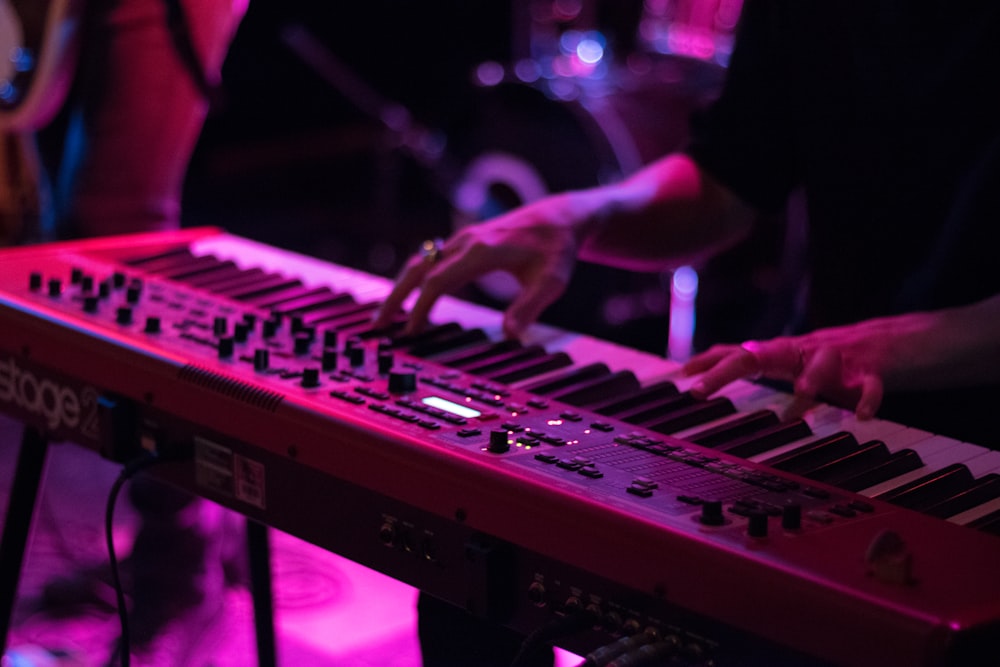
490 73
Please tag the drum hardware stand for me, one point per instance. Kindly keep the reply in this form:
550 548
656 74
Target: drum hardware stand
403 133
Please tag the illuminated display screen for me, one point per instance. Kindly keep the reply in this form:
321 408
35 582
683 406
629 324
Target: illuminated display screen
448 406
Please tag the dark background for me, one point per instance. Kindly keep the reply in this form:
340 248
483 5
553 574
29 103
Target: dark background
299 158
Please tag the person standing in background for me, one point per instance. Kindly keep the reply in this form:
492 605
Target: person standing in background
138 76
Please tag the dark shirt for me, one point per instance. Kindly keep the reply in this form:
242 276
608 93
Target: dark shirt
885 114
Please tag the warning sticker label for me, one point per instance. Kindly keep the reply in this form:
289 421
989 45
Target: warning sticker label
218 468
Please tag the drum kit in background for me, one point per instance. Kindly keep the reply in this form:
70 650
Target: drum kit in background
586 93
595 90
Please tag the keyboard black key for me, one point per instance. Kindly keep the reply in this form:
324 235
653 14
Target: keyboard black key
739 427
570 377
768 439
596 388
197 266
266 285
500 361
898 463
531 367
429 334
457 341
635 398
149 260
219 283
816 452
305 301
867 456
330 315
690 416
656 409
358 317
931 489
222 276
163 262
982 490
476 353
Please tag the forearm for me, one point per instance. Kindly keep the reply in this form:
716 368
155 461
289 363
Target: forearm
947 348
669 213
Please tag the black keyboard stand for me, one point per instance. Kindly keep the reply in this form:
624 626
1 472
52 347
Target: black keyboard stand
259 551
17 527
25 486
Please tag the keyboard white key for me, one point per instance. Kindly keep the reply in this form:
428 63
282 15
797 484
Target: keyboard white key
978 512
935 451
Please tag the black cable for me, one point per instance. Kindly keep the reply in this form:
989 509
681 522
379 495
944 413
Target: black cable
123 649
561 626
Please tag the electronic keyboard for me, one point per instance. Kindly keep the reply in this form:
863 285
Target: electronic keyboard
557 482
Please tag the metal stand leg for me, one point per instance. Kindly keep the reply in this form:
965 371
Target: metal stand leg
260 589
17 529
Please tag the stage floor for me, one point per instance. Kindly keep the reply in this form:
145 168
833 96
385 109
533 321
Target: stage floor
328 610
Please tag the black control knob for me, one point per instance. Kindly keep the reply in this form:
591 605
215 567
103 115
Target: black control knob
499 441
711 513
352 343
386 360
536 593
329 359
356 355
220 326
402 381
124 315
226 347
153 325
55 287
791 516
35 281
261 359
269 328
330 338
133 292
87 284
387 533
310 377
757 524
303 341
612 621
241 331
90 303
631 627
